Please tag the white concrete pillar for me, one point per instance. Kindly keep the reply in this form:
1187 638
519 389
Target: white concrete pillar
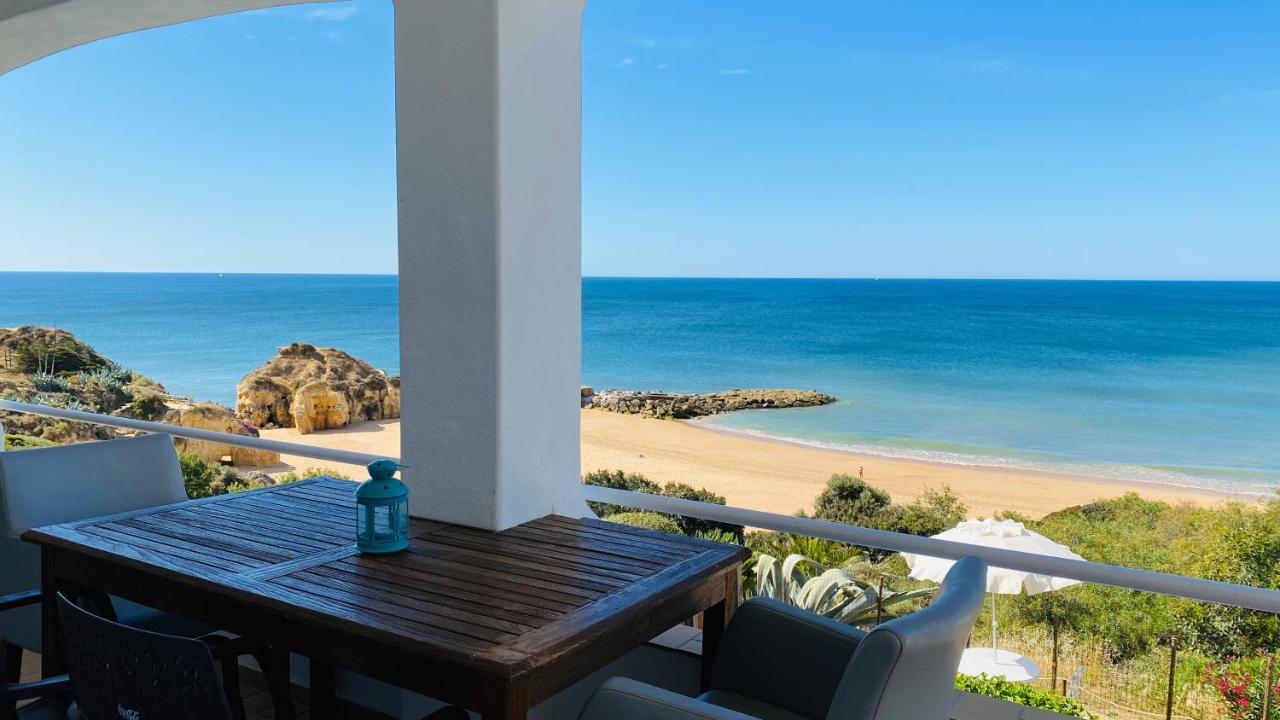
488 116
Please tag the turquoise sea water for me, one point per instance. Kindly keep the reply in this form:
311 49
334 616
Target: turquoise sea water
1174 382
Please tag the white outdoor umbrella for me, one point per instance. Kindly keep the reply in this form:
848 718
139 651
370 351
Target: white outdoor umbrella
1007 535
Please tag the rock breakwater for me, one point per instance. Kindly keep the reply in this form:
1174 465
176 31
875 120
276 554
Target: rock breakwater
691 405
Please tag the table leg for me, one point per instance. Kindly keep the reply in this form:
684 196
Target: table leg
324 691
51 662
509 702
12 662
714 621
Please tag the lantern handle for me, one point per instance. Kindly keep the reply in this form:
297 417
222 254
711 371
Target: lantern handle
384 469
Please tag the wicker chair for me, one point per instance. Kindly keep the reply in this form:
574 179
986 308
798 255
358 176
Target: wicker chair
52 695
118 671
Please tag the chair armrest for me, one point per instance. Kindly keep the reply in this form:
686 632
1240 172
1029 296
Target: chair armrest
787 657
273 664
20 599
625 699
49 687
448 712
222 646
101 602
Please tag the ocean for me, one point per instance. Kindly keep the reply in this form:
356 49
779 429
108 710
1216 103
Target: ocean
1171 382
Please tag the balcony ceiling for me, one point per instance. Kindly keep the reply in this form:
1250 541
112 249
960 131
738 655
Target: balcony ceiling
33 29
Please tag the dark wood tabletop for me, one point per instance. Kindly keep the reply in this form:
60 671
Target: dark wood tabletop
496 622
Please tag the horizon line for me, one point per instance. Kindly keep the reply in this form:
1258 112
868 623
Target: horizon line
669 277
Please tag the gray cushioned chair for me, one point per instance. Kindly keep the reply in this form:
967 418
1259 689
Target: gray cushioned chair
777 662
44 486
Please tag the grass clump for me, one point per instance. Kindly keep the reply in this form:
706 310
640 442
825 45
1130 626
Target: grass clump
647 520
312 472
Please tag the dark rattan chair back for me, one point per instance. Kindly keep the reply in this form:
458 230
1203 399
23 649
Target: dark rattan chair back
122 672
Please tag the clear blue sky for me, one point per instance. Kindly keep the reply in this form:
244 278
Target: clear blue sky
1015 138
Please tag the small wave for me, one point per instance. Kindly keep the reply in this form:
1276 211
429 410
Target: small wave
1228 481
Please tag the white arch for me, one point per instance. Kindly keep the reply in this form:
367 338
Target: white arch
34 29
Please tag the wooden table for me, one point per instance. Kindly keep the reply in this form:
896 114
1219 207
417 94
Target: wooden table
495 622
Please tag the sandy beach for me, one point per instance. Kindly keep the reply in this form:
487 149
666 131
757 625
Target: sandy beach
769 475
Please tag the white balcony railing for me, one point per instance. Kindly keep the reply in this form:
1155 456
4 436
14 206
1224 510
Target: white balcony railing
1242 596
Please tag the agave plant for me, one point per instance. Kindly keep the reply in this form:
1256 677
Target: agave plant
108 377
62 401
834 592
47 382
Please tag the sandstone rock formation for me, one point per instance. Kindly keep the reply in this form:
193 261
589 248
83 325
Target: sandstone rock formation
691 405
316 406
210 416
314 389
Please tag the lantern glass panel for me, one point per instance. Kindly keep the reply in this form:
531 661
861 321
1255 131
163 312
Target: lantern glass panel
383 528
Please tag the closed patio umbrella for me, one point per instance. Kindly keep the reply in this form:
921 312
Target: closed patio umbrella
1006 535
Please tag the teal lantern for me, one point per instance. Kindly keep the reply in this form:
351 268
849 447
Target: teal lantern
382 510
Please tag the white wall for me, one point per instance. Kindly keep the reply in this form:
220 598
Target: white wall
489 137
32 29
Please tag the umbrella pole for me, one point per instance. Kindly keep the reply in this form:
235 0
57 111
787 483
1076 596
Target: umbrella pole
993 627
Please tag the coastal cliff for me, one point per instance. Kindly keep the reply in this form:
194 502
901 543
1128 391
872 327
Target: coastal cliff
691 405
50 366
312 389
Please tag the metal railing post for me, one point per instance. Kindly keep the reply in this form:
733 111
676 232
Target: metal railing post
1266 689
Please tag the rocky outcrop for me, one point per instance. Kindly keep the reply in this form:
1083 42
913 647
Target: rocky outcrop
50 366
692 405
210 416
30 349
314 389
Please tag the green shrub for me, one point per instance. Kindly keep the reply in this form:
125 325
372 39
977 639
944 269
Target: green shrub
204 480
718 536
197 476
850 500
618 480
1235 543
245 484
634 482
1022 694
930 514
311 472
147 407
696 526
648 520
20 442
